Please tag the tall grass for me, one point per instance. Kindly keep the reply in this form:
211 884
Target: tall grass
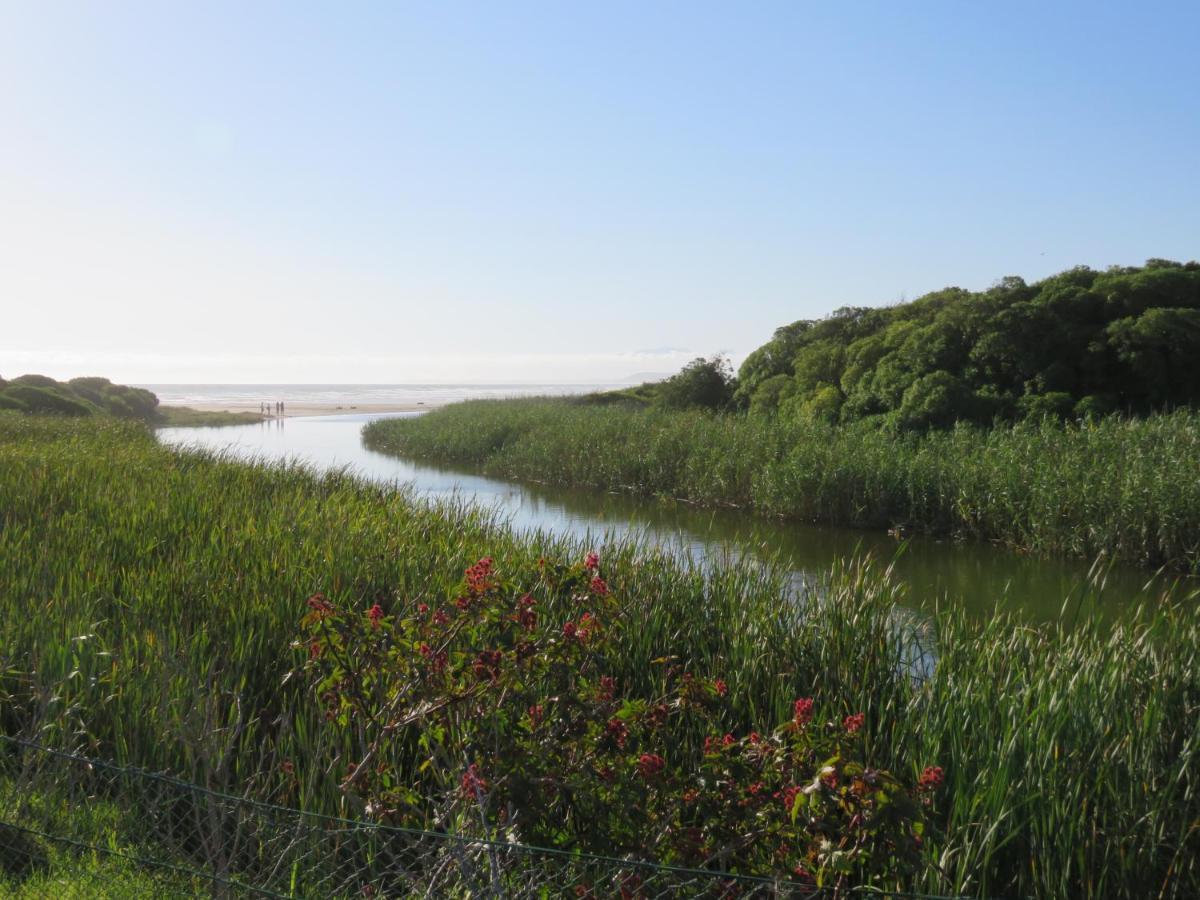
149 599
1128 488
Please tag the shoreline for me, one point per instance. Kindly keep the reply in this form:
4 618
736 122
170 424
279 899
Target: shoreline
301 408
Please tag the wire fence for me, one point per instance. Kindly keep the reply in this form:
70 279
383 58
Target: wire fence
71 826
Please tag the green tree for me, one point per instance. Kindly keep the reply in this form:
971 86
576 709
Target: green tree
704 383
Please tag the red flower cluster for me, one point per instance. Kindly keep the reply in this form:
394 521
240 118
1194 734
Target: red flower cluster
608 687
487 664
375 614
440 617
473 784
526 617
789 798
650 764
568 630
715 745
422 608
656 716
854 722
592 560
618 731
720 687
437 661
931 778
536 713
586 624
599 586
479 576
802 710
319 605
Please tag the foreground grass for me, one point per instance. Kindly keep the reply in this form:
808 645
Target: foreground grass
150 597
1126 488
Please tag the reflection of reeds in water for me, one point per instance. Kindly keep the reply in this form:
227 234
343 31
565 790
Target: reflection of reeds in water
149 599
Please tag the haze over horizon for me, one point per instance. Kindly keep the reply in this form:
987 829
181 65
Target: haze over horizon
536 192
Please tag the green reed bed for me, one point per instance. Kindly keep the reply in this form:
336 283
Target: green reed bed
150 598
1126 488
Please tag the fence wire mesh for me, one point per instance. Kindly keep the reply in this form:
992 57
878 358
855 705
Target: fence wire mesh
71 827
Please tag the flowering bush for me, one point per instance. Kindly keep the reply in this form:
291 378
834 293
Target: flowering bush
496 712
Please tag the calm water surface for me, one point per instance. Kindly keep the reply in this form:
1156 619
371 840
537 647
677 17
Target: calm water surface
978 576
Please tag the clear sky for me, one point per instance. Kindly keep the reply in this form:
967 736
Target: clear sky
354 192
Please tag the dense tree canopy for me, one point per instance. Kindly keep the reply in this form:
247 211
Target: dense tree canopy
1078 343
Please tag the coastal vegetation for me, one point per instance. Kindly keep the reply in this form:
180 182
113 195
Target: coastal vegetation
1055 417
186 417
1127 488
77 397
156 601
91 396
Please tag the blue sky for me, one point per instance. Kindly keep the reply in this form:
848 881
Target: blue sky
558 191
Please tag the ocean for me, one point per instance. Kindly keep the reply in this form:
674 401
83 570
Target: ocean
351 394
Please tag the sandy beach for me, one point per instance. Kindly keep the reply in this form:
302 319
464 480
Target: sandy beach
301 408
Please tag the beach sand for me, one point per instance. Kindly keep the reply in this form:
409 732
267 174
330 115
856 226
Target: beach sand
300 408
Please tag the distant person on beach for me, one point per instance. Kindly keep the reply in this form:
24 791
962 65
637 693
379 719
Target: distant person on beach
281 407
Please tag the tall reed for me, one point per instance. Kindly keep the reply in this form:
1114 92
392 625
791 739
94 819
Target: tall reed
1127 488
149 600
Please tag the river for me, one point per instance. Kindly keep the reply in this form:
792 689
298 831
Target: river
979 576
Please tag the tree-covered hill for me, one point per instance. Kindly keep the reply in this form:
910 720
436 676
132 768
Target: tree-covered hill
77 397
1080 342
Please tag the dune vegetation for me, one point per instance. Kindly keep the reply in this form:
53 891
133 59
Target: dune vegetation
153 604
93 396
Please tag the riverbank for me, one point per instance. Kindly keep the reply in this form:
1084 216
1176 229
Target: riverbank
1126 489
181 575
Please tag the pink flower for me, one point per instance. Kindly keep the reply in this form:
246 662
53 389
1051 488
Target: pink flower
568 630
599 586
375 614
422 608
854 722
592 560
720 687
